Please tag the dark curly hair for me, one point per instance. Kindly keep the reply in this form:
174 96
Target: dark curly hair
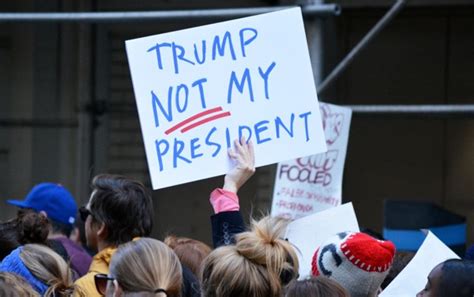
28 227
457 278
123 205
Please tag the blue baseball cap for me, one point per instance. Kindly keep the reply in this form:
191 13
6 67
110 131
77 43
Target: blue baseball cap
53 199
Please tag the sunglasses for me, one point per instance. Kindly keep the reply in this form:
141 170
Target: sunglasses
101 282
84 213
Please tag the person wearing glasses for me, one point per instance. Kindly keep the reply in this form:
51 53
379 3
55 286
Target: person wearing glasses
119 210
143 267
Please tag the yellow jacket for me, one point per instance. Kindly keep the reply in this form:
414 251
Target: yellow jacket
85 286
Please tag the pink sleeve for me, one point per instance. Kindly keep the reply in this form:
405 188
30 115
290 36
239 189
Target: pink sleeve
223 200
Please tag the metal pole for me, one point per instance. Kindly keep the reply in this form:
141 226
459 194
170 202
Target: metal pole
384 21
314 28
39 123
85 98
169 15
417 111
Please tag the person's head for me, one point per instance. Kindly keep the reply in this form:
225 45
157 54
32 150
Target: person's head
119 210
258 265
400 261
42 268
28 227
32 227
320 286
13 285
190 252
451 278
357 261
78 234
55 201
142 268
8 238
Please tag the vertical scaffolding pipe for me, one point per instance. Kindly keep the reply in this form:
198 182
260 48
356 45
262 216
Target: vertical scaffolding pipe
314 35
85 118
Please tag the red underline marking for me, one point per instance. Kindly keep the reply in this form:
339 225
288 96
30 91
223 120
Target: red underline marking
202 122
190 119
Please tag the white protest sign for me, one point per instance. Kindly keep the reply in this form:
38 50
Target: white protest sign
311 184
199 89
413 278
308 233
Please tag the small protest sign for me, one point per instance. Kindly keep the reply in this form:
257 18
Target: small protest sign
308 233
311 184
413 278
199 89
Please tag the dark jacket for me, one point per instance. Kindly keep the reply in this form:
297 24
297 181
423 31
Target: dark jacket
225 226
191 287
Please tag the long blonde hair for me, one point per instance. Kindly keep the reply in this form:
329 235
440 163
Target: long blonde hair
12 285
147 265
47 266
258 265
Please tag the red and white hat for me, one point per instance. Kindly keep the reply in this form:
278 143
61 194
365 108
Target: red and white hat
356 261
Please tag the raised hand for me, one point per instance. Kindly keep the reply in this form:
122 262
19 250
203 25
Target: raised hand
244 157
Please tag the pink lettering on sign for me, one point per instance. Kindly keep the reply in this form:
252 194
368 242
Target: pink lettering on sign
315 180
302 194
332 123
295 206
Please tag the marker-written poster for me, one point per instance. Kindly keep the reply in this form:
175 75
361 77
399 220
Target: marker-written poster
199 89
311 184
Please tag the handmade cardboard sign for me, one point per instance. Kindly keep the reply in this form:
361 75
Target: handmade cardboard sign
311 184
308 233
413 278
199 89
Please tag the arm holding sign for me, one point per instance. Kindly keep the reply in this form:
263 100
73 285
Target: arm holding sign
227 220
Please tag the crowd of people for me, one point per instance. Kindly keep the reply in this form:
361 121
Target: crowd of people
52 248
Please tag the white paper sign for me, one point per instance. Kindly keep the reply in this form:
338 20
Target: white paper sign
413 278
308 233
311 184
199 89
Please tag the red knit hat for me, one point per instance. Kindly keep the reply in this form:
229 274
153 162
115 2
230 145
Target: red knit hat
356 261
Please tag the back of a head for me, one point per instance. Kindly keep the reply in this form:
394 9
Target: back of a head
12 285
28 227
190 252
32 227
258 265
145 266
123 205
400 261
357 261
54 200
457 278
319 286
48 267
8 238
